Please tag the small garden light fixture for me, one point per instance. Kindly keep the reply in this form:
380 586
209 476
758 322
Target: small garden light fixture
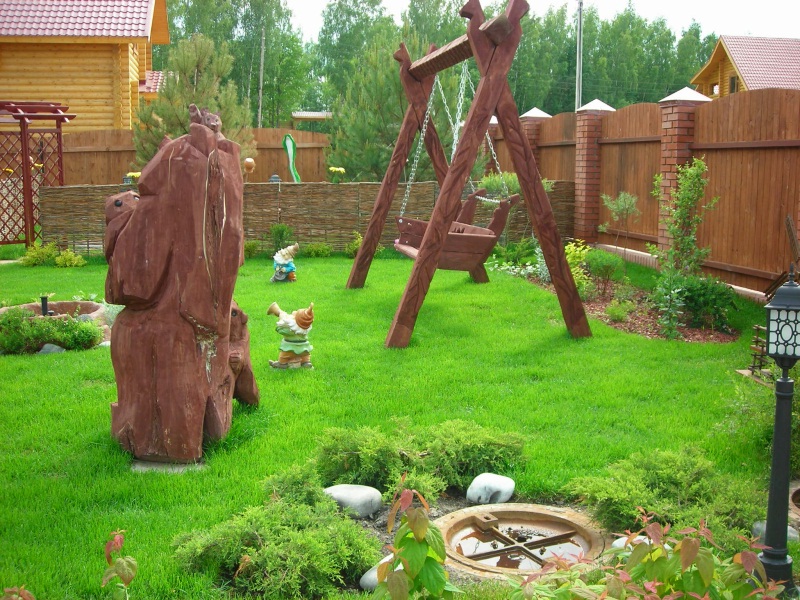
783 345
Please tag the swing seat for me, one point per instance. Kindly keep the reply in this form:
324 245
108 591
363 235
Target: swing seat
467 246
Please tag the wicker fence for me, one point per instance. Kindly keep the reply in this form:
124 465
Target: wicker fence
73 216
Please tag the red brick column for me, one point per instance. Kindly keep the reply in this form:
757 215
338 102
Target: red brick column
587 174
531 127
677 135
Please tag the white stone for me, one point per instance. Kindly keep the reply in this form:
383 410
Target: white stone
760 527
51 349
369 580
363 500
488 488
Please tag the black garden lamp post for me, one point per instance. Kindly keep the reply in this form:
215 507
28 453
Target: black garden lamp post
783 345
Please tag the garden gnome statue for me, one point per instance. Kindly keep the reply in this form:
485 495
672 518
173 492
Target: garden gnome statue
173 252
283 263
295 349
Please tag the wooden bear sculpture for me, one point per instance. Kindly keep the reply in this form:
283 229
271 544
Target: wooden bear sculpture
174 251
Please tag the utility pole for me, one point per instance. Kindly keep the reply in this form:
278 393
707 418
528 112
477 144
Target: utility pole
579 62
261 77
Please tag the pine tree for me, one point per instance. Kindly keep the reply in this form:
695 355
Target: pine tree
195 73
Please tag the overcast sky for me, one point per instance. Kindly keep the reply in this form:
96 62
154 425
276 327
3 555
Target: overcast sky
766 18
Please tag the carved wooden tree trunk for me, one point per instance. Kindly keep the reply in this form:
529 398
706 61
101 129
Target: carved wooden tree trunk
173 260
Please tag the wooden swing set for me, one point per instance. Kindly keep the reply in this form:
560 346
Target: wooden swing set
449 240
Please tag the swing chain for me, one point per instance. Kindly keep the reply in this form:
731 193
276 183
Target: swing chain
418 152
494 153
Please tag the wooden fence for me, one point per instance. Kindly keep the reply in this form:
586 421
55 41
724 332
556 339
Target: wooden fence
103 157
73 216
750 142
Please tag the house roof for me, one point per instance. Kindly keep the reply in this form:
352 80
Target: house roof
104 19
760 62
152 82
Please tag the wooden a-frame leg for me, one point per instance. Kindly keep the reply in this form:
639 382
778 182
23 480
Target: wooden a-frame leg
541 215
479 274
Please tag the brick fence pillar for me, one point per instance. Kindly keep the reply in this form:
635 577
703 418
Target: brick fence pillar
587 173
532 127
677 136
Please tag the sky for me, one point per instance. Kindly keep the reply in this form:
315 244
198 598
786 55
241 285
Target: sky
764 18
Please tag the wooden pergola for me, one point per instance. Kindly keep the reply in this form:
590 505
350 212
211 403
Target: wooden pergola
30 156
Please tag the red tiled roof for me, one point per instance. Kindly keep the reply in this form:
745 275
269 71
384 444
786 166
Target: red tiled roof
79 18
765 62
152 82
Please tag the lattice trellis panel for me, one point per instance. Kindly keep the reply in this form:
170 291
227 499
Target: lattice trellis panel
12 208
45 170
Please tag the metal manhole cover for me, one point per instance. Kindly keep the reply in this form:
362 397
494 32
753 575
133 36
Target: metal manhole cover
494 540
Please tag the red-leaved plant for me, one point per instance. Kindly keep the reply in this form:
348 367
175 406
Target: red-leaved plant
124 567
418 554
655 566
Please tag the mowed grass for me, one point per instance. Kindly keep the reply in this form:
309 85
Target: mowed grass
498 355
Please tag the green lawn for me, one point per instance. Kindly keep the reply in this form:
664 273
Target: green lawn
496 354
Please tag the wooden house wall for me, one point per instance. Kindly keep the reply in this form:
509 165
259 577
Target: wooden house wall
94 80
630 155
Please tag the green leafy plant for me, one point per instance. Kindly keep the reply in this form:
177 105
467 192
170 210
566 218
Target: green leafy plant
618 311
707 302
352 247
282 549
517 253
21 332
122 567
654 564
67 258
82 296
506 183
604 266
622 209
281 235
250 248
425 484
418 554
37 255
685 212
576 253
317 250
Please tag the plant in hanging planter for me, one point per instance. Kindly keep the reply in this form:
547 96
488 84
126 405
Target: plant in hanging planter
506 184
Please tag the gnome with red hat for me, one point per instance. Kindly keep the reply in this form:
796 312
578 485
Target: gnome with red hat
295 351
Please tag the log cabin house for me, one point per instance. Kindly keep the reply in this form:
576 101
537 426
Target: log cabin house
740 63
94 56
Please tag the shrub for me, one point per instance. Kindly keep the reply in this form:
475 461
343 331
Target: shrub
517 253
38 255
299 484
618 311
68 258
21 332
280 234
679 487
282 550
667 297
576 253
112 312
604 266
427 485
453 452
707 302
363 456
250 248
317 250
